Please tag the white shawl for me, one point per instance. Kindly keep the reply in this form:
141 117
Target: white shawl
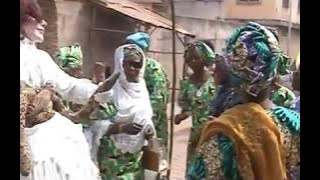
133 105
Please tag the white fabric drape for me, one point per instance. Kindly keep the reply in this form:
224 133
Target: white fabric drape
133 105
58 147
37 68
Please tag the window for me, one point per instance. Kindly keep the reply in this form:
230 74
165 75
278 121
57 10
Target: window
249 1
210 0
285 3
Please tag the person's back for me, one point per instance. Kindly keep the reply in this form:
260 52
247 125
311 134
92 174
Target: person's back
254 140
219 156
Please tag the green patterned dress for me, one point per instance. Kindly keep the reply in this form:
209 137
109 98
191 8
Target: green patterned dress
197 101
158 88
113 164
215 159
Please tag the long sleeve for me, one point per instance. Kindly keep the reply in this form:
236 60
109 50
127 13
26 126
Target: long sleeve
157 84
184 100
70 88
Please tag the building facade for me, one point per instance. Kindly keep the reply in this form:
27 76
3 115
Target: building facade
72 21
215 19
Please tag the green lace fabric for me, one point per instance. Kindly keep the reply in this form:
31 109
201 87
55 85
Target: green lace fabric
114 164
196 100
158 88
283 97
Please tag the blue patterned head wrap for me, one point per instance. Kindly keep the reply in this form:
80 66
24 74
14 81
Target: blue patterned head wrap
253 54
141 39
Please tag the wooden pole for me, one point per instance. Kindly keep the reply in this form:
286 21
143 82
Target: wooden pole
173 95
289 28
90 43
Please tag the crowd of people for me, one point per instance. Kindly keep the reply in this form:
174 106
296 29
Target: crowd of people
245 121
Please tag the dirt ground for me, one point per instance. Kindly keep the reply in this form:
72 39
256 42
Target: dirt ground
181 136
179 156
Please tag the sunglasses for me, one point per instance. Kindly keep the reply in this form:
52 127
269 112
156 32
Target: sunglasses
136 65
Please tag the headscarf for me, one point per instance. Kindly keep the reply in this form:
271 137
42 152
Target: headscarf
120 53
203 50
284 63
253 55
70 57
141 39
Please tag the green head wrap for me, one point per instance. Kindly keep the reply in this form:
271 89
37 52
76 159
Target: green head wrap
70 57
284 65
130 51
203 50
253 55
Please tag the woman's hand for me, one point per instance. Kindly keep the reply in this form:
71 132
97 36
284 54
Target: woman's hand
148 132
131 128
128 128
180 117
102 94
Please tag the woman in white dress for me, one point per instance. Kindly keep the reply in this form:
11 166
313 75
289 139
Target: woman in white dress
59 150
118 142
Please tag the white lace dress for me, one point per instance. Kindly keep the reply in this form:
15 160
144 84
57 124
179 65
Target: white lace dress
58 147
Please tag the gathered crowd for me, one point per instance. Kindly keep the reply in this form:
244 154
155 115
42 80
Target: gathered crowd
245 120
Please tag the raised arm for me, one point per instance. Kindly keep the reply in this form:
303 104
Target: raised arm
70 88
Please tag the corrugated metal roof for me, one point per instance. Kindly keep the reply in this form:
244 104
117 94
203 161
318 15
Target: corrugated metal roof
138 12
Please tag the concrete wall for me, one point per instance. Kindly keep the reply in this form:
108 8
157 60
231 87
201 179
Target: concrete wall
74 23
219 31
147 1
49 12
265 9
103 44
284 12
161 40
205 19
210 10
74 20
201 18
295 40
216 30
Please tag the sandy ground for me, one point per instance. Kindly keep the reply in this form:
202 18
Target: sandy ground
181 136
